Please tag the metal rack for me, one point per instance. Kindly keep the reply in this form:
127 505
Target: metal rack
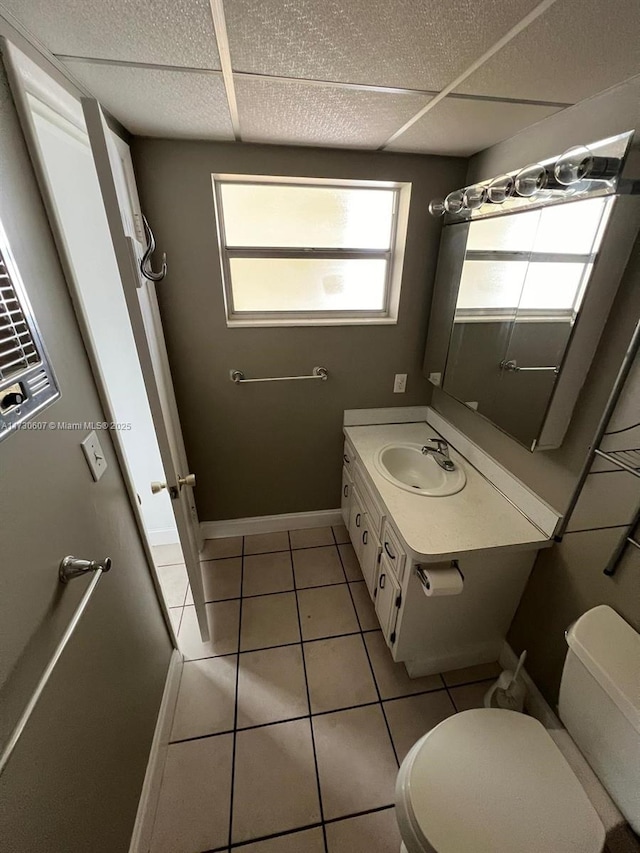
626 460
238 376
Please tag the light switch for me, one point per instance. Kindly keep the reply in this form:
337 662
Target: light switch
94 455
400 383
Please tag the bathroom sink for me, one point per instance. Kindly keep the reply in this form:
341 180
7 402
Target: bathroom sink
407 467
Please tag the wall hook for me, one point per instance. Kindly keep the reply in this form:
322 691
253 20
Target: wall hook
145 263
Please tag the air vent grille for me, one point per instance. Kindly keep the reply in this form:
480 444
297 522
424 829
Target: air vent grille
17 348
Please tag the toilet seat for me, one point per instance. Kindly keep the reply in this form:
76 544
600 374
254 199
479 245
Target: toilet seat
493 781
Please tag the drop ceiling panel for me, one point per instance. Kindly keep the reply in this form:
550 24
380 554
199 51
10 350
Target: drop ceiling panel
462 127
303 114
164 32
148 102
415 44
576 49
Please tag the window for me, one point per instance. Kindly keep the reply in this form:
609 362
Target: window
302 251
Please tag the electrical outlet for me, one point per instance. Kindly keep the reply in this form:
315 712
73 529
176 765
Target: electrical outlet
435 378
94 455
400 383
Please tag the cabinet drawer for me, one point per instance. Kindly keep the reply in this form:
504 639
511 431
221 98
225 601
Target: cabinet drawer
393 551
346 496
349 456
372 507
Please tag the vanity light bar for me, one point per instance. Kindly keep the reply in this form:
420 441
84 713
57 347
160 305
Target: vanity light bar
601 162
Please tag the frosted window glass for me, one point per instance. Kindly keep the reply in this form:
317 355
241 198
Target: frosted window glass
571 228
491 284
313 284
272 215
513 233
554 286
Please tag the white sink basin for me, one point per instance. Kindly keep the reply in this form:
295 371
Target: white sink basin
407 467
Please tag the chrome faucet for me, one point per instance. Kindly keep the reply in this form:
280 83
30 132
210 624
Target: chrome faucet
439 449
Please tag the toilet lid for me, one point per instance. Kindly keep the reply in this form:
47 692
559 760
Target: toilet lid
493 781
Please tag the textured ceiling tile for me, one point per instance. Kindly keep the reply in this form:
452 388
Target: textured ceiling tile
301 114
165 32
419 44
576 49
462 127
179 104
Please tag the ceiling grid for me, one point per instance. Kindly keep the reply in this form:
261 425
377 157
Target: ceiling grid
416 75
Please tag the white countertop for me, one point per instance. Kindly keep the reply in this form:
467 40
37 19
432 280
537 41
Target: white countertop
437 528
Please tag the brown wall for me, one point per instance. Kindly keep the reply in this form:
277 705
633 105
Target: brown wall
568 579
275 448
74 780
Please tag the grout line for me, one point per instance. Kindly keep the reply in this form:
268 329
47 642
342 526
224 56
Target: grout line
235 706
306 684
361 814
373 675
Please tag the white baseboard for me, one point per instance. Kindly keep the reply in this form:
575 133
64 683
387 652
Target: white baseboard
536 705
143 826
481 653
168 536
270 523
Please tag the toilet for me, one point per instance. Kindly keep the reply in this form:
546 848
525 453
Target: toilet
493 781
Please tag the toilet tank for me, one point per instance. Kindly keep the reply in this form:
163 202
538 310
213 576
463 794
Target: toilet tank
600 703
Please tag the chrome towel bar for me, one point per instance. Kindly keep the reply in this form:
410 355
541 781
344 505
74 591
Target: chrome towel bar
69 568
238 377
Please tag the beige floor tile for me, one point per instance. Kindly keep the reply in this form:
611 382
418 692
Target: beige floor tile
364 606
370 833
317 566
350 562
312 537
221 578
391 677
341 534
175 614
472 673
271 686
218 549
356 763
338 673
223 618
206 699
275 785
269 620
194 802
326 611
411 718
167 555
308 841
173 580
469 696
265 573
261 543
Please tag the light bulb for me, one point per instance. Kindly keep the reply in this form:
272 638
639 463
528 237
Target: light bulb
474 197
531 180
453 202
500 189
580 163
436 207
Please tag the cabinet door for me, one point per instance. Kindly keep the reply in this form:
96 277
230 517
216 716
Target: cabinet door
345 500
356 523
387 601
370 557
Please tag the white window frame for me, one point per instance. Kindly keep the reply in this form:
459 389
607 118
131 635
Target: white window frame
394 256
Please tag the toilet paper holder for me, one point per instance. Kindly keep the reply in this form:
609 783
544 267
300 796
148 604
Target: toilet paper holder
424 580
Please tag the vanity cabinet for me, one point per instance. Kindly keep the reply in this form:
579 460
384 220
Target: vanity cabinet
370 557
345 500
357 524
388 600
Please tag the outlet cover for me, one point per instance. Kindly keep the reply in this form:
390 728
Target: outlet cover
94 455
400 383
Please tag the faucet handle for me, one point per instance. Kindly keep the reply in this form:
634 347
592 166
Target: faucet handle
441 446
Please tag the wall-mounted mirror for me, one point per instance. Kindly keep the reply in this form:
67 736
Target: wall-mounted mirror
513 288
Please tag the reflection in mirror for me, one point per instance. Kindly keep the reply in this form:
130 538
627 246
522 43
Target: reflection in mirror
523 280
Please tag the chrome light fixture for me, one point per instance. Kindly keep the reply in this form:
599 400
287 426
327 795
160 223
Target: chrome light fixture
579 163
436 207
501 188
474 197
530 180
453 203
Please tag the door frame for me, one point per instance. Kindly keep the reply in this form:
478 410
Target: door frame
68 107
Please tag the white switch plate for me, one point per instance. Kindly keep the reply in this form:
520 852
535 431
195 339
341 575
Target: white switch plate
400 383
94 455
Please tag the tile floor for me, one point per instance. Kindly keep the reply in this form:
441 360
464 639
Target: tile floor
292 720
